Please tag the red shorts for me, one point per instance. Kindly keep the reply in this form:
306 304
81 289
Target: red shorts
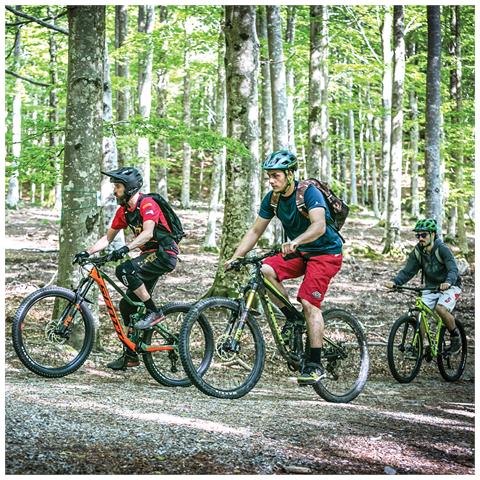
318 272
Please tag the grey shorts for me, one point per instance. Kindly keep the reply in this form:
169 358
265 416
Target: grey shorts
448 298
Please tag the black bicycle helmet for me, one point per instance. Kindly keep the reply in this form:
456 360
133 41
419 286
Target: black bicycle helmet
280 160
128 176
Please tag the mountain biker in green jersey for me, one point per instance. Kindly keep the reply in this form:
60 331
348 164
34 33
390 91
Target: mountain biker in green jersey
439 270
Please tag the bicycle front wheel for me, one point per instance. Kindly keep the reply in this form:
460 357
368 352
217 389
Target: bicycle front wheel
233 371
345 358
452 365
164 365
51 335
404 349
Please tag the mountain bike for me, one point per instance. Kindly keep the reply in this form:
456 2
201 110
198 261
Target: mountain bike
405 349
239 345
53 330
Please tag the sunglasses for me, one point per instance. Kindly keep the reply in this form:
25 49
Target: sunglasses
421 235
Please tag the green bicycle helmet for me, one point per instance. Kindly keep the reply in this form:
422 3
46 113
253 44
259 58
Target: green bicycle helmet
426 225
280 160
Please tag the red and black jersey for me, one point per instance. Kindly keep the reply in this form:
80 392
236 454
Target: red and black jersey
133 217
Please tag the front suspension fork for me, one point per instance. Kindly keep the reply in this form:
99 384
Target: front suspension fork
240 327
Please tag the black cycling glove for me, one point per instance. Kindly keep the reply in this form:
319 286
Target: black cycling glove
80 256
119 253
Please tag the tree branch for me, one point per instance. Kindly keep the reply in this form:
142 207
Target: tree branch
28 79
362 33
26 22
37 20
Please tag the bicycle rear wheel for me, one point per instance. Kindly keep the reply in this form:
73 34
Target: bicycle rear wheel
452 366
51 335
404 349
232 373
164 365
345 358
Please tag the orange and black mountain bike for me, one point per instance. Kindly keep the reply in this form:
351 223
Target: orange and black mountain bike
53 330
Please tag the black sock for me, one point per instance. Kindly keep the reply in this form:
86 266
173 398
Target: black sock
315 354
288 313
454 332
150 305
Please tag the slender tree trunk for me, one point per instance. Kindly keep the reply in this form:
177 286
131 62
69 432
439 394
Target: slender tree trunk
241 64
110 158
433 186
386 104
146 21
363 161
456 92
375 186
414 137
266 110
53 117
210 242
79 225
319 151
187 150
161 87
343 160
13 194
290 78
122 71
353 160
266 115
278 78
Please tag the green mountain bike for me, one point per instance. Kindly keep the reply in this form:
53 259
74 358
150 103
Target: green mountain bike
406 350
239 346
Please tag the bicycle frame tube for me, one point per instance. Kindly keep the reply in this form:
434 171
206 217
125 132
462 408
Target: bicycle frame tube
98 277
425 313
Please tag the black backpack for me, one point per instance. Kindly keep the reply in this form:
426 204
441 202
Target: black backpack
161 233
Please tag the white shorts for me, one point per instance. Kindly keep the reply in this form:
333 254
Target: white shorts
448 298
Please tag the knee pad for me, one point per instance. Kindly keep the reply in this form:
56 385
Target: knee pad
127 274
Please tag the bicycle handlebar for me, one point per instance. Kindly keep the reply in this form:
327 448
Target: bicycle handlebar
237 264
399 288
98 261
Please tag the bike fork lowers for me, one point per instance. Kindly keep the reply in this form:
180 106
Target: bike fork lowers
242 320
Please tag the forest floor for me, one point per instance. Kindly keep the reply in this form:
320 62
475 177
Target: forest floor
96 421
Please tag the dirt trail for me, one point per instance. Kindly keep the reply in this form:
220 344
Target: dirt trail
96 421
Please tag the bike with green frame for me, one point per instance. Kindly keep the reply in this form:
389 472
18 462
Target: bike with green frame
239 345
53 330
405 349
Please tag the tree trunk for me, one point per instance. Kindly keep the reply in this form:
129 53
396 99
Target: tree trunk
79 225
278 78
187 150
433 186
266 111
414 137
456 92
53 116
241 62
146 21
394 211
122 71
110 158
13 194
363 160
375 186
343 160
210 242
161 87
386 104
353 160
319 153
290 78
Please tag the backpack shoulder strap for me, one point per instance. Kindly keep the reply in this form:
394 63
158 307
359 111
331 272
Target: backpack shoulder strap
274 199
438 256
300 194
